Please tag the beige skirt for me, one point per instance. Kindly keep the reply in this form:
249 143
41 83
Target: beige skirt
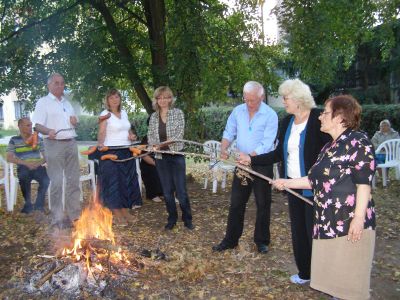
341 268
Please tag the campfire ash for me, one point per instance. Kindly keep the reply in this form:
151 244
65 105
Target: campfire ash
92 262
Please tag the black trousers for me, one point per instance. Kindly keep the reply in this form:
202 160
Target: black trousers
301 223
172 172
239 198
151 180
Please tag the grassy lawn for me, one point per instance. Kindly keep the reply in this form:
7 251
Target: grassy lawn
8 132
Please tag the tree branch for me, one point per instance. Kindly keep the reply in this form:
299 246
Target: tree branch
133 14
52 16
125 54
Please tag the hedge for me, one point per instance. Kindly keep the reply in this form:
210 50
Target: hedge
209 123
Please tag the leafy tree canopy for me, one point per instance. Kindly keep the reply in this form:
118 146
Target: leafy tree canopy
323 36
196 47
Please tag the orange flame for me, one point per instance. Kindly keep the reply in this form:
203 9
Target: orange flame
95 222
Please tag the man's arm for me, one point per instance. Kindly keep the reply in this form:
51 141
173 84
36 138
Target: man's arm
12 158
228 135
270 132
224 148
44 130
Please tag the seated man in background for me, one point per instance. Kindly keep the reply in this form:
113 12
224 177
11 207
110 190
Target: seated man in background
29 161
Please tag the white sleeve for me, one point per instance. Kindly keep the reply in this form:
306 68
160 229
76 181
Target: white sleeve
40 113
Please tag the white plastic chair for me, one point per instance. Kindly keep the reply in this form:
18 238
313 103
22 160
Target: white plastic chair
139 175
212 148
226 168
14 186
90 176
391 149
4 180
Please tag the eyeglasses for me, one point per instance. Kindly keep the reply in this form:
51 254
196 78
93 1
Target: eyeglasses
164 98
250 100
287 98
324 113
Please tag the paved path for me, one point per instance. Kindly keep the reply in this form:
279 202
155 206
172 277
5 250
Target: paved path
5 140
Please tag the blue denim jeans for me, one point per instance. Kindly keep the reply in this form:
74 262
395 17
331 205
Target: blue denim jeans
25 177
172 172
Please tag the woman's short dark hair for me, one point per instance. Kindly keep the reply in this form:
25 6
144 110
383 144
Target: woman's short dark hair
348 108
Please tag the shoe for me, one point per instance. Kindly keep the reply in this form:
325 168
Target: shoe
56 226
170 226
189 225
156 199
40 208
27 209
66 224
222 247
262 248
136 206
297 280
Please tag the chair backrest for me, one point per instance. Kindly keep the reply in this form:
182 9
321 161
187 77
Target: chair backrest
5 168
4 179
212 147
391 149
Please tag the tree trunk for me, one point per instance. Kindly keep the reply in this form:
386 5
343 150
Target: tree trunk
155 18
125 55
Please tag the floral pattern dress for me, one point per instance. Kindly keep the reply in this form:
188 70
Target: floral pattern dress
343 163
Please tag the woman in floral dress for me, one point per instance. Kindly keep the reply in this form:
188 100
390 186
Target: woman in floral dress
344 214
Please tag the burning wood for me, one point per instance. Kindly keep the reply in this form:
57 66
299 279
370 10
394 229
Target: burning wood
93 238
91 262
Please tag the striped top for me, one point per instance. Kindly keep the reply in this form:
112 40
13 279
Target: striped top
23 151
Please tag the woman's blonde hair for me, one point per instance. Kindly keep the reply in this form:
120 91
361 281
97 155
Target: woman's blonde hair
110 93
299 91
160 91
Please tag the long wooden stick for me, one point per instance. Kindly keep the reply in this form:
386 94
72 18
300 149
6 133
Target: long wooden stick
152 149
240 166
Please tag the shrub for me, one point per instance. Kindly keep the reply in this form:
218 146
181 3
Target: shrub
87 128
139 121
209 122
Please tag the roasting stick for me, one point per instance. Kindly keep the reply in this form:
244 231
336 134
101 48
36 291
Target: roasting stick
240 166
153 149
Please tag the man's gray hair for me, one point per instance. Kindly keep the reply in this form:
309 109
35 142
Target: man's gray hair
386 121
252 86
51 77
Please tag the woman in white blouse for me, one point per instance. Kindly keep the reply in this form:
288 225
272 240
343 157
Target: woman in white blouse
119 187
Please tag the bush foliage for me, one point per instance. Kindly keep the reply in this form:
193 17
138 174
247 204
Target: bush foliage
209 123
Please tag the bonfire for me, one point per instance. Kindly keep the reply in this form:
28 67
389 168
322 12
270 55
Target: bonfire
93 238
93 257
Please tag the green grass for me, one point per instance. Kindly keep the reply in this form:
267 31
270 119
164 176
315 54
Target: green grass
3 149
8 132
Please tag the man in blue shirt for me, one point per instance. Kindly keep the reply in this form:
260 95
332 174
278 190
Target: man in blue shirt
254 125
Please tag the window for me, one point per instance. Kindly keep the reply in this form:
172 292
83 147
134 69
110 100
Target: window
19 107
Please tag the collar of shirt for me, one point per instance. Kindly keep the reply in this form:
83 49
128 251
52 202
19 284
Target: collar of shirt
55 98
262 109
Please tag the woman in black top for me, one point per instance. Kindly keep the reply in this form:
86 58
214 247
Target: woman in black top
300 142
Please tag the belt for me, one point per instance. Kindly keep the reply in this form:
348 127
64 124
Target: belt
65 140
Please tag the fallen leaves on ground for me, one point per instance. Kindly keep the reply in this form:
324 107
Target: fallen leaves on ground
191 270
